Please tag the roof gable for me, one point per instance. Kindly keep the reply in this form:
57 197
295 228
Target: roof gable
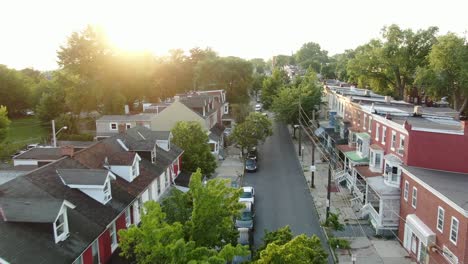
32 210
84 177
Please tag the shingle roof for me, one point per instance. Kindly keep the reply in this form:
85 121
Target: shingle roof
83 176
76 144
137 117
121 158
41 154
140 138
32 210
452 185
216 132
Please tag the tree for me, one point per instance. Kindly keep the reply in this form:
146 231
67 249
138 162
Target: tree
256 128
257 84
214 207
259 65
447 72
15 90
271 85
311 55
51 105
388 66
156 241
194 141
4 122
280 236
283 60
199 230
286 102
300 250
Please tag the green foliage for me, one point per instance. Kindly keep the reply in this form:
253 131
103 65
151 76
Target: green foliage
240 111
67 120
4 122
300 250
259 65
280 237
389 66
447 71
311 55
333 222
231 73
257 83
254 129
282 60
51 104
15 90
271 86
286 102
177 207
339 243
160 240
194 141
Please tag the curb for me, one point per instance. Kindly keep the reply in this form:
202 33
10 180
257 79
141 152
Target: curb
335 259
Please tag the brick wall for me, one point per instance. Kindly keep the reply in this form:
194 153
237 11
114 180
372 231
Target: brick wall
426 210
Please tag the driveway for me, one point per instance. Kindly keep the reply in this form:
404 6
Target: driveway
282 196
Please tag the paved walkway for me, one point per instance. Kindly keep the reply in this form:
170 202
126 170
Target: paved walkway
366 247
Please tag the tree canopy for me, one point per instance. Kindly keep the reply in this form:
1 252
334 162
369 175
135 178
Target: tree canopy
271 86
310 55
4 122
191 137
256 128
194 227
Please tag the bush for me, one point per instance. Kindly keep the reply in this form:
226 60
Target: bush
339 243
333 222
7 149
76 137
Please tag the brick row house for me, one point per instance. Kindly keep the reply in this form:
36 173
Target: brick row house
70 210
208 108
406 168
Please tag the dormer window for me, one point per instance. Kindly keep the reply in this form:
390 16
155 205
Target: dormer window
40 211
135 169
125 165
94 183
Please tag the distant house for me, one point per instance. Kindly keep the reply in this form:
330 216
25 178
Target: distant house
70 210
109 125
40 156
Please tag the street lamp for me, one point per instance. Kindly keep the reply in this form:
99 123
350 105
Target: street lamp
54 134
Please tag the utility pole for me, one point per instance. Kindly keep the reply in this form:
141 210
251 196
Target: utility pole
300 127
54 139
312 167
328 189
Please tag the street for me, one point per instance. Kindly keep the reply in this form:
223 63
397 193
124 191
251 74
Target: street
282 196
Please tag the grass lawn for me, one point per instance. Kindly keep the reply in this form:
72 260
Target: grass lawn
27 130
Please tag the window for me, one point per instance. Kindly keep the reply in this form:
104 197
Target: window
449 255
414 200
135 169
153 155
377 128
128 125
159 185
402 142
147 126
128 217
369 126
364 123
113 126
384 134
60 227
113 237
95 251
378 160
107 192
454 230
393 146
440 219
406 191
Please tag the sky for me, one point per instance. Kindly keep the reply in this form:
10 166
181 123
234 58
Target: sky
32 31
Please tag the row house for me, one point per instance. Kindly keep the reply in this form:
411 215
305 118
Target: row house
70 210
396 151
208 108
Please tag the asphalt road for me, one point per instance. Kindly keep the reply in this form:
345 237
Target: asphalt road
281 193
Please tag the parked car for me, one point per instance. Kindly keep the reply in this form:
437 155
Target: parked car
248 195
252 154
35 145
258 108
250 165
245 240
246 218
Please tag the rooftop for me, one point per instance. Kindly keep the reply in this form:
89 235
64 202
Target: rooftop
83 176
31 210
381 188
129 118
452 185
41 154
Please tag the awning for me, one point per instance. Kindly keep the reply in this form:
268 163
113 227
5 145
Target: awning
393 159
355 157
319 131
363 135
421 230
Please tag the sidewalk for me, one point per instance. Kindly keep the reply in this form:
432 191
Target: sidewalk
364 245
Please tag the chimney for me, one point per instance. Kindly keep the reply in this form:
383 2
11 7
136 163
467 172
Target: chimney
122 128
67 150
176 98
388 99
417 110
127 110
